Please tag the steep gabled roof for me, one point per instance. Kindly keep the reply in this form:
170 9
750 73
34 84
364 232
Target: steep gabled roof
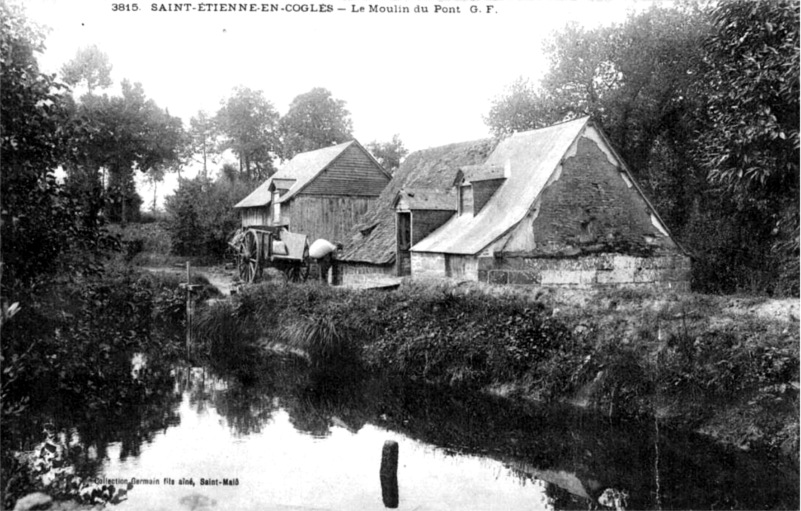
532 157
430 169
301 169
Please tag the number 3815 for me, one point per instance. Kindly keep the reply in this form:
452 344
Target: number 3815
124 7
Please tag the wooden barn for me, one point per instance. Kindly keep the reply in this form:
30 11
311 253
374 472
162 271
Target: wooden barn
321 193
555 206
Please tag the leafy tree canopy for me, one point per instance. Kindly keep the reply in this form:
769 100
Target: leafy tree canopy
389 154
752 96
45 230
314 120
749 141
128 133
248 125
202 140
633 78
200 214
90 67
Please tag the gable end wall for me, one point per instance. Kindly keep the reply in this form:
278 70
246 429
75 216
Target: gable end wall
353 173
591 207
326 217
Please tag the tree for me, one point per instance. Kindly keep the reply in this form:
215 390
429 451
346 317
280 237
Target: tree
90 67
314 120
129 133
201 140
750 140
200 215
633 78
388 154
248 126
44 229
520 108
154 177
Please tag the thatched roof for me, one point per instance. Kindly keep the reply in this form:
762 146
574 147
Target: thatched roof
296 174
373 241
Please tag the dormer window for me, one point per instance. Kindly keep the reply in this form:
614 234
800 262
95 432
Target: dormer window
475 184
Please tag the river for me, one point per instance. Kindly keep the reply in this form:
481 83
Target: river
278 443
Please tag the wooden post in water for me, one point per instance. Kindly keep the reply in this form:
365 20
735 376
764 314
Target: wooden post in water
389 474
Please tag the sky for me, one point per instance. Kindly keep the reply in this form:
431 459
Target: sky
428 77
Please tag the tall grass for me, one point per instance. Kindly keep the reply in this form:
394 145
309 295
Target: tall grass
334 354
228 338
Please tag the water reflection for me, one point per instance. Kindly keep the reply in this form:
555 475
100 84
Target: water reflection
64 443
245 410
288 444
583 459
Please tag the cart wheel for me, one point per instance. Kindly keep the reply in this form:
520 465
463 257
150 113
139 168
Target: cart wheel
249 258
298 271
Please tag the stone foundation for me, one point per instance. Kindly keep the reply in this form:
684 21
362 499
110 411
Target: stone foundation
601 270
427 265
356 273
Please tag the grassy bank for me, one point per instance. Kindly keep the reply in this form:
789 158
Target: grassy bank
696 362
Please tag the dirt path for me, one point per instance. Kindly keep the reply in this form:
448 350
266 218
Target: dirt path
218 276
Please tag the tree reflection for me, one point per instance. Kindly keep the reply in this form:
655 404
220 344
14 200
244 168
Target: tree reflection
579 456
82 428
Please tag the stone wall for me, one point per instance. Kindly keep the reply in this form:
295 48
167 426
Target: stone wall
354 273
427 265
592 203
461 267
598 270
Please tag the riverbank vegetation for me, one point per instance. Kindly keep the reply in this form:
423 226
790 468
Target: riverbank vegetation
690 360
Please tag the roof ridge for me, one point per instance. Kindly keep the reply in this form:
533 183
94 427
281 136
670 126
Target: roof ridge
585 119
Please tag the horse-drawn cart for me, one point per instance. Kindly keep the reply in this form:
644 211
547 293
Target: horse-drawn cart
258 248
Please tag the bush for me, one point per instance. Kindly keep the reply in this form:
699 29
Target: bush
200 215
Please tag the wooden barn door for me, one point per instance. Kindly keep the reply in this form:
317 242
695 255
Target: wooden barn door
404 243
